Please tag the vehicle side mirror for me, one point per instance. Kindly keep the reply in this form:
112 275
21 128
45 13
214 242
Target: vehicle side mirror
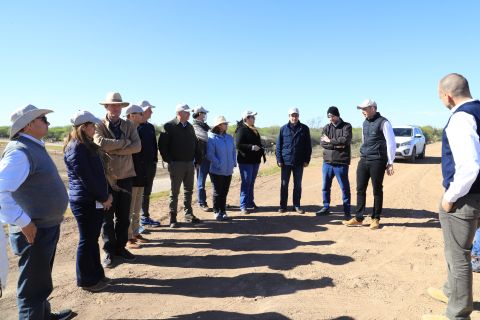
418 135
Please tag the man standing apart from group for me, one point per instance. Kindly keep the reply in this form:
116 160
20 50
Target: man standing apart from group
460 207
377 154
335 140
294 150
201 131
119 139
178 147
148 136
33 200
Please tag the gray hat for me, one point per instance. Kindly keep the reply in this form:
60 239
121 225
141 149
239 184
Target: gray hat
293 110
182 107
367 103
145 105
248 113
82 116
199 109
114 98
23 116
133 109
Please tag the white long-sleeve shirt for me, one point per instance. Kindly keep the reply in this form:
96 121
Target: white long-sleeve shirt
390 139
464 142
14 169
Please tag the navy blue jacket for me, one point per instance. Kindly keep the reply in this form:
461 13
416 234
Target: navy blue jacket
86 177
148 155
294 146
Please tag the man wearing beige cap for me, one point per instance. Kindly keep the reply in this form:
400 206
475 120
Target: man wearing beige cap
33 200
178 147
119 139
377 154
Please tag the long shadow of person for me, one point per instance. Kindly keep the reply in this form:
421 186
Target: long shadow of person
224 315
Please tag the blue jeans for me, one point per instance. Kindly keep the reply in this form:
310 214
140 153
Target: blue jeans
89 220
35 272
297 184
202 173
340 171
248 173
476 244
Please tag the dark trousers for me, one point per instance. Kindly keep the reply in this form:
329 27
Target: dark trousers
115 235
151 171
202 173
340 171
181 172
89 221
221 185
287 171
458 228
366 170
35 272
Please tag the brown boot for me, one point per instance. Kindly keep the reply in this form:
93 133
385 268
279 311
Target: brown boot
132 244
141 239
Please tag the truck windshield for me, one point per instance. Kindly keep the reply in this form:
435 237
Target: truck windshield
402 132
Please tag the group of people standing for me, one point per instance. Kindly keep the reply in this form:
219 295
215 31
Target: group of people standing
111 163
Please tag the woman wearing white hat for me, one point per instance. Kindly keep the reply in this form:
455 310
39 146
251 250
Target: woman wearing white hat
222 155
89 196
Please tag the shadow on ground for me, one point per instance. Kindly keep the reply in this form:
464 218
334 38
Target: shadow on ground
247 285
224 315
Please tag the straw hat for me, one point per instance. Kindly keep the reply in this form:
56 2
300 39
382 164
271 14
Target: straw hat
23 116
219 120
114 98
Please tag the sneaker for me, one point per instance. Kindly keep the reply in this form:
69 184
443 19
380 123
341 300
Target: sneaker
375 224
299 210
132 244
125 254
148 222
225 217
323 212
61 315
252 207
174 224
437 294
96 287
205 208
434 317
141 239
108 261
218 216
282 210
244 211
190 218
352 222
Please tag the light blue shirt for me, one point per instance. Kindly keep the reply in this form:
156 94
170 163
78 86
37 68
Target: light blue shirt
14 169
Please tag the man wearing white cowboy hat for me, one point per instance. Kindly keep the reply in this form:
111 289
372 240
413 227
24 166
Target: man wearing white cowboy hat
33 200
178 147
148 135
119 139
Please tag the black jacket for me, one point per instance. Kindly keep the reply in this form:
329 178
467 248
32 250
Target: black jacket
245 138
337 151
148 155
179 143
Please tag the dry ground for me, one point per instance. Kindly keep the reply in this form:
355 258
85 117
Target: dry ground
276 266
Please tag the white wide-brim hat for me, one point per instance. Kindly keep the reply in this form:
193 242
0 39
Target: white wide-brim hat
114 98
219 120
23 116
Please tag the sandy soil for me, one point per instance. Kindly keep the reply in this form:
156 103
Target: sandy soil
276 266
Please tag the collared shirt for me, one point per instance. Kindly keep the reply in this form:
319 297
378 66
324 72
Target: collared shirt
464 143
390 139
14 169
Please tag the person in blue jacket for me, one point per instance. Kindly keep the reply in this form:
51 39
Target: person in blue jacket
221 153
294 150
89 197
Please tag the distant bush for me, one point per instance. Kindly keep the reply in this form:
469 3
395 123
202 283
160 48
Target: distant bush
432 134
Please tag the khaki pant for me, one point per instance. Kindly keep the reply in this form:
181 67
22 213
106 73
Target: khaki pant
135 205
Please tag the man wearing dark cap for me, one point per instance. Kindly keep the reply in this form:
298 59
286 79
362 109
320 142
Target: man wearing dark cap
335 140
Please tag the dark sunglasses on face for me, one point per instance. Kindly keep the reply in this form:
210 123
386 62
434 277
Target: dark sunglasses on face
295 115
44 119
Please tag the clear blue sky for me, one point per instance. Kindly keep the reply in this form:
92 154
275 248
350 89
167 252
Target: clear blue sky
265 55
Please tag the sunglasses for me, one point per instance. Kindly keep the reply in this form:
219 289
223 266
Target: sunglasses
44 119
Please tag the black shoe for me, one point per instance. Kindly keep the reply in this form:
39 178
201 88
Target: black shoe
190 218
244 211
108 261
174 224
205 208
323 212
61 315
96 287
253 208
106 280
299 210
125 254
282 210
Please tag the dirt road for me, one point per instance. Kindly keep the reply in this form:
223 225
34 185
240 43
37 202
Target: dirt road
276 266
